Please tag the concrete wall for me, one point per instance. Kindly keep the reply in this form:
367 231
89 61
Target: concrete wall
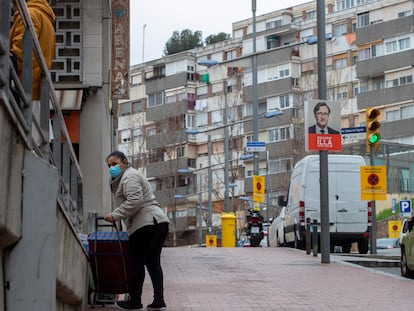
95 119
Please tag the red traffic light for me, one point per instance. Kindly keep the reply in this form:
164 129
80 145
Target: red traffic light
372 113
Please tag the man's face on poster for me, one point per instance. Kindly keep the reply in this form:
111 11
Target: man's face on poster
322 116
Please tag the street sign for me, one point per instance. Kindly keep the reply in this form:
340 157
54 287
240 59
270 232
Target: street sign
255 146
211 240
394 228
373 183
394 205
353 130
353 133
405 208
258 188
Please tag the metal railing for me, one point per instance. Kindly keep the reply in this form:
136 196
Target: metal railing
43 133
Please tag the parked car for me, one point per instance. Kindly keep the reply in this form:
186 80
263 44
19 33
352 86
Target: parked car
388 243
407 251
404 229
277 230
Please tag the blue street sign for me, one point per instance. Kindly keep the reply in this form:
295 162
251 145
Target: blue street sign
350 130
255 146
405 208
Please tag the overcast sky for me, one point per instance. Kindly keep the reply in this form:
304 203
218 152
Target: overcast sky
163 17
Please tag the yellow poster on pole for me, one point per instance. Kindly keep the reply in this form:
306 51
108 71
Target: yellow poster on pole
373 183
258 188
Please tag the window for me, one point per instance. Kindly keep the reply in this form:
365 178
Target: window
279 134
356 90
189 121
342 95
280 165
202 119
217 117
392 83
339 30
284 101
379 85
273 42
273 24
137 106
155 99
377 50
180 151
150 131
284 73
406 80
310 14
364 54
404 43
354 59
363 88
125 136
340 63
393 115
404 13
125 108
391 47
407 112
363 20
231 54
278 102
399 81
136 132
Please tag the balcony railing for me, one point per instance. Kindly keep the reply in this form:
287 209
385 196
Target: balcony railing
54 146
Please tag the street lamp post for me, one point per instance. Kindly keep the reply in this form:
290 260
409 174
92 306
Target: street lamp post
226 151
254 87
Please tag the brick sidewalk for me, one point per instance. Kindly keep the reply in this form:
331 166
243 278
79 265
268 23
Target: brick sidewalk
272 279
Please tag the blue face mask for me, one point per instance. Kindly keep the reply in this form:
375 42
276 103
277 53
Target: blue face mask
115 171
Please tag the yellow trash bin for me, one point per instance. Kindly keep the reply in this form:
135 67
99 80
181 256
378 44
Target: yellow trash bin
228 229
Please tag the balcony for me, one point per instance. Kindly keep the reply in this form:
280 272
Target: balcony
383 30
162 112
166 168
166 139
378 65
386 96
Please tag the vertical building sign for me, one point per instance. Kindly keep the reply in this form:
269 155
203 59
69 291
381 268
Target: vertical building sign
120 49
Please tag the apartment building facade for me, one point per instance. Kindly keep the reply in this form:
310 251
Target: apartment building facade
210 89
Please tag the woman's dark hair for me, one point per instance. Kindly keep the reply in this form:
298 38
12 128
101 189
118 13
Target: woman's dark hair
119 155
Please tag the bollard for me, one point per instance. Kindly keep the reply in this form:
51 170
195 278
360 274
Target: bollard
315 238
308 236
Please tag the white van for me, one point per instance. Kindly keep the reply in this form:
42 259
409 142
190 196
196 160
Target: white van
349 217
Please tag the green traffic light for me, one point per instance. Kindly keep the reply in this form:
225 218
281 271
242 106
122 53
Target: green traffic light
373 138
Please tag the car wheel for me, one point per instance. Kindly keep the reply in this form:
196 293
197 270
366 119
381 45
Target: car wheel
346 248
363 246
277 240
405 271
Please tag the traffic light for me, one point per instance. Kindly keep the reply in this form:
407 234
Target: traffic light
373 125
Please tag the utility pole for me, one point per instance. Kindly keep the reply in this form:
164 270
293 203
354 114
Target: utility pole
143 41
254 89
210 188
323 154
226 151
